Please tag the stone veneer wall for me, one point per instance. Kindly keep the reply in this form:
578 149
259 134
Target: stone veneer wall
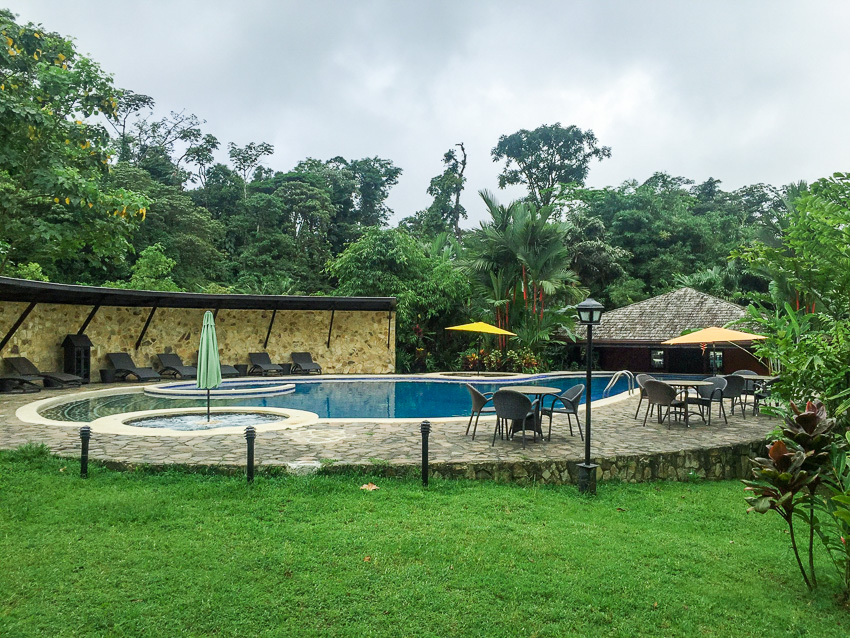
714 464
358 341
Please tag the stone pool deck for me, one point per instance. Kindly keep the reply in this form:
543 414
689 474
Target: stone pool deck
622 447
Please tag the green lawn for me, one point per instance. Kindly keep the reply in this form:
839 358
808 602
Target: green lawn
177 554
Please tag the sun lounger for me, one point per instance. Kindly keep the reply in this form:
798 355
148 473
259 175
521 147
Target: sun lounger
13 384
228 371
262 363
303 362
26 369
124 367
172 365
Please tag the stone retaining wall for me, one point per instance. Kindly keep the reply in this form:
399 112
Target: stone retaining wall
715 464
358 342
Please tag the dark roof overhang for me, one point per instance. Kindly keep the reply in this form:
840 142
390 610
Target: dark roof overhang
23 290
646 343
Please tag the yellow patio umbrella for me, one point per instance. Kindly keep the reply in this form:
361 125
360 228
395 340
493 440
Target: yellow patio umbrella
713 335
482 328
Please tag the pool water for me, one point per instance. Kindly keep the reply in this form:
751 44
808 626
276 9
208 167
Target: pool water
336 399
186 422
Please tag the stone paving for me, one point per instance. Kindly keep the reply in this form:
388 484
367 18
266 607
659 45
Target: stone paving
615 433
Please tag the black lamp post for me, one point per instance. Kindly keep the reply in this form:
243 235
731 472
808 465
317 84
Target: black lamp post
589 314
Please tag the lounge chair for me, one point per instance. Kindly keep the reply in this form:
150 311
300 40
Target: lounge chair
26 369
228 371
303 362
124 367
13 384
262 363
172 365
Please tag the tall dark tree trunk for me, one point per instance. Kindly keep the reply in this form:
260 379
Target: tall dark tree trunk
458 190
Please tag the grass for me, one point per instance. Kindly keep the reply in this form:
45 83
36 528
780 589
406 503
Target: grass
166 554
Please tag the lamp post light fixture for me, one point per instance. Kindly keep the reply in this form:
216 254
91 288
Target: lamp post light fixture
589 314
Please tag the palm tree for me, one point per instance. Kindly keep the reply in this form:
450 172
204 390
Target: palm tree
518 263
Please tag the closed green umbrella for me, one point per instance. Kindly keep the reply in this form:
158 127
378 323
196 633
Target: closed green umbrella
209 368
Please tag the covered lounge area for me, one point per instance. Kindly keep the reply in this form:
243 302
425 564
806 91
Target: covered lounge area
343 334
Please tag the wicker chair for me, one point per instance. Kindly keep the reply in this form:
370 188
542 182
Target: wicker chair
570 400
734 391
517 409
707 395
662 395
641 379
479 401
749 384
762 394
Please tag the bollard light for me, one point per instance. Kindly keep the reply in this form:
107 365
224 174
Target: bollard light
589 314
425 429
250 435
85 435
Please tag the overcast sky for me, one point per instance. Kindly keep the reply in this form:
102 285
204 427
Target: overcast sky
742 91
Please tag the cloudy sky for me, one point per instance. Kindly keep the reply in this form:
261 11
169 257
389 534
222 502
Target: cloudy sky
744 92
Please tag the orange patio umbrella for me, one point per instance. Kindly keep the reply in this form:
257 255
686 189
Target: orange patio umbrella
713 335
482 328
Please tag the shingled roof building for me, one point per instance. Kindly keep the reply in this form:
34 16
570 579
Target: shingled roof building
631 337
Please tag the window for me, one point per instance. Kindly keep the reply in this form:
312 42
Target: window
656 359
715 360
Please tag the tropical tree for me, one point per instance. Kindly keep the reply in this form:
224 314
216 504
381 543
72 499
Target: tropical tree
810 258
152 271
374 177
667 229
518 264
184 231
445 212
432 293
596 262
806 321
247 158
546 157
130 104
55 206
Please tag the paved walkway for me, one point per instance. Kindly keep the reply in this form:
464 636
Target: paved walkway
615 433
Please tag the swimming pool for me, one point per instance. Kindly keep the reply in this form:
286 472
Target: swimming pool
344 398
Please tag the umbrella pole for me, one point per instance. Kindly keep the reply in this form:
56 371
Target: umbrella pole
208 405
480 345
